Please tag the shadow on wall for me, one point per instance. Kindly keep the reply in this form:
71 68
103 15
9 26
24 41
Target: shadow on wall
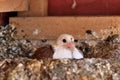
4 17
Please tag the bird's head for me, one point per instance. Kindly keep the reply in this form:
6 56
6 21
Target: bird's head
66 41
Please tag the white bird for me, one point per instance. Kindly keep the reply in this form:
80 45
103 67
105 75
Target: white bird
63 48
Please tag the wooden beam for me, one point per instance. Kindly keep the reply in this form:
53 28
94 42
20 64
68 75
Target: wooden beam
52 27
13 5
36 8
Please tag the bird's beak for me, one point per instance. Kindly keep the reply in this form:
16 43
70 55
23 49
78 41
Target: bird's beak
70 45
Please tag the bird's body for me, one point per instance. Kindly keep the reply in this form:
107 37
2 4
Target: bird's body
64 47
77 54
61 52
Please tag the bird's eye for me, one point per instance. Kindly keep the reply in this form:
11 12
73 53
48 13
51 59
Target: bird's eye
75 40
64 40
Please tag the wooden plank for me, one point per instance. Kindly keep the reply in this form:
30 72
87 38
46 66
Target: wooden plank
83 7
36 8
13 5
52 27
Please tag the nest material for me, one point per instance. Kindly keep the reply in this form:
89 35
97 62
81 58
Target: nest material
49 69
106 49
10 46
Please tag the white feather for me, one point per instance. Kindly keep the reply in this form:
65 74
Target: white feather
61 53
77 54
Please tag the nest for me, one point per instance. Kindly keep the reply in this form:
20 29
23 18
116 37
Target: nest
101 60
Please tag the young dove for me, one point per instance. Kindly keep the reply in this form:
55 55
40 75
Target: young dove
63 48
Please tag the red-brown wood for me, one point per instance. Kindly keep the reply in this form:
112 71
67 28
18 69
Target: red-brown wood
84 7
114 7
